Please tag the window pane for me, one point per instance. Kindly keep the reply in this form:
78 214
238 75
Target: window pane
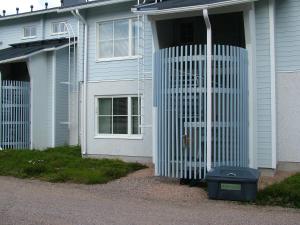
106 31
135 125
121 48
134 106
33 31
135 34
104 124
105 106
55 28
121 29
26 32
62 28
120 125
106 49
120 106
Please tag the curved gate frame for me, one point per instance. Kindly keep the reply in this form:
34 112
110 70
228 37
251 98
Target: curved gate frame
181 100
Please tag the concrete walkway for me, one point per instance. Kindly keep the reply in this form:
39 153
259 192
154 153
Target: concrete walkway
135 200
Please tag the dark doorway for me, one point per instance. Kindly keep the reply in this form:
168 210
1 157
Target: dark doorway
227 29
15 71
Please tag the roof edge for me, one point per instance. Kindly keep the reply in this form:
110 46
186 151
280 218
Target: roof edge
190 8
28 14
91 5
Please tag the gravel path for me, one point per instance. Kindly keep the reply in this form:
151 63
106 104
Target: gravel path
135 200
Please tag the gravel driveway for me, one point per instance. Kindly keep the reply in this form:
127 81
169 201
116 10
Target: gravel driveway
135 200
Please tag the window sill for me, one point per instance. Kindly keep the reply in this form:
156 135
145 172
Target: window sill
118 58
25 38
127 137
56 34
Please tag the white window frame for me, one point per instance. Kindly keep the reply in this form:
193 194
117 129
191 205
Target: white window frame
59 23
30 28
129 134
130 38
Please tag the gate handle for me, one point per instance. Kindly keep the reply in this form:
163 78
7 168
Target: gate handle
231 174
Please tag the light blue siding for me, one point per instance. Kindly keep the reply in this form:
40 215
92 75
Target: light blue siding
11 31
40 78
288 35
51 18
61 100
263 86
115 69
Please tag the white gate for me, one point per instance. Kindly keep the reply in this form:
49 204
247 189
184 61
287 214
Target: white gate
15 115
181 100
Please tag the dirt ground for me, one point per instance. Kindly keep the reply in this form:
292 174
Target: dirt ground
268 180
137 199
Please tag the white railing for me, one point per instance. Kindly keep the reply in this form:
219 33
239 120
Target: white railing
14 114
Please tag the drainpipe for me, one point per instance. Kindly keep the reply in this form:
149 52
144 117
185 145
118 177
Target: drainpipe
208 85
84 126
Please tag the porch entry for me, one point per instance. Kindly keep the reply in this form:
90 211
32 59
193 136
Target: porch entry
14 106
15 114
181 100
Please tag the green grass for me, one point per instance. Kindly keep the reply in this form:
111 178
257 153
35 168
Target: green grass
63 164
285 193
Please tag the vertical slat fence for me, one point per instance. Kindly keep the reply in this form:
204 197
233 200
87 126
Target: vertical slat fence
180 97
15 115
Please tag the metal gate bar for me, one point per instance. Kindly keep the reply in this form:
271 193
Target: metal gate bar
15 115
181 99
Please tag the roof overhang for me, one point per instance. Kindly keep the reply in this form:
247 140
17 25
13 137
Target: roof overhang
28 14
91 5
154 9
23 54
87 5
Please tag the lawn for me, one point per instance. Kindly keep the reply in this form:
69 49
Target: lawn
285 193
63 164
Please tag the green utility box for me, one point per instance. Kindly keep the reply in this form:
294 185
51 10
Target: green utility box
232 183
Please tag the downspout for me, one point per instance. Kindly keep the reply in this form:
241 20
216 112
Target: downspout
208 85
84 127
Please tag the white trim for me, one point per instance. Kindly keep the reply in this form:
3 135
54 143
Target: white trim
31 101
130 55
91 5
119 136
191 8
118 80
209 88
99 60
27 14
30 27
64 22
250 34
29 37
273 80
54 97
58 34
129 115
288 71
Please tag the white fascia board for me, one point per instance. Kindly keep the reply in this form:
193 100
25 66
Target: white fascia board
21 58
191 8
273 80
91 5
28 14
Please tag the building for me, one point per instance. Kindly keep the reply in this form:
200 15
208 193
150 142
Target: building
188 85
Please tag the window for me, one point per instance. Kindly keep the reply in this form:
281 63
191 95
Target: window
30 32
117 38
118 115
59 28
